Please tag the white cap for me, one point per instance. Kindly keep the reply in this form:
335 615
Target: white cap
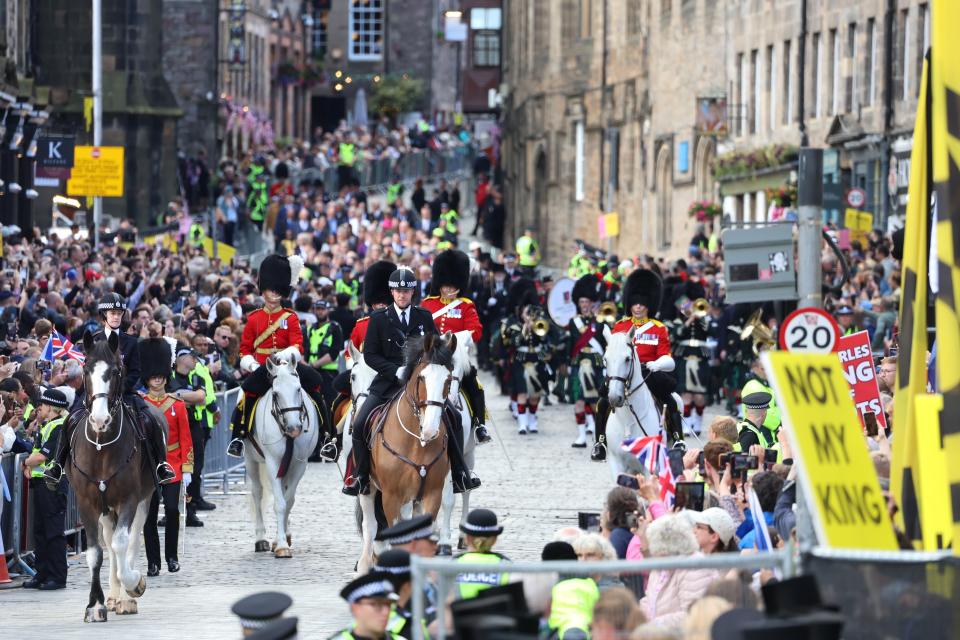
718 520
474 245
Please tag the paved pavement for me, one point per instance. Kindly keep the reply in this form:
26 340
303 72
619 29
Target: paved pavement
539 489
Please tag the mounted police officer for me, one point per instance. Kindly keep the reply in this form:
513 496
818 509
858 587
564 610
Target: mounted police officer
274 329
112 308
451 277
587 344
387 334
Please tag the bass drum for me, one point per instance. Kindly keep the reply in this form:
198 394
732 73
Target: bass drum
560 303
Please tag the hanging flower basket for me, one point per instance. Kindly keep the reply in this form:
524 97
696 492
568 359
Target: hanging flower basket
704 210
785 196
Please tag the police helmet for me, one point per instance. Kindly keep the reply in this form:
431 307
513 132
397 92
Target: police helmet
403 278
111 302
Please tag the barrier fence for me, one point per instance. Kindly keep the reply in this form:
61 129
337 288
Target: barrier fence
220 473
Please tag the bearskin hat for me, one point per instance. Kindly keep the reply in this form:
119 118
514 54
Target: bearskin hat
521 293
588 286
279 274
450 268
643 287
155 358
376 289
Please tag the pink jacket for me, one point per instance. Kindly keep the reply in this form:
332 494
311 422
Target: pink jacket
670 593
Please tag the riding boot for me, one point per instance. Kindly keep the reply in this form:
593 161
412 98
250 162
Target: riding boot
478 405
239 422
599 453
151 435
327 432
359 482
54 472
463 478
673 422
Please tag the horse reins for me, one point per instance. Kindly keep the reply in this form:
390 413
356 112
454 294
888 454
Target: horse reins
627 394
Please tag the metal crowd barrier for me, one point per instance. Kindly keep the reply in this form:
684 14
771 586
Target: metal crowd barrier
446 571
219 470
377 175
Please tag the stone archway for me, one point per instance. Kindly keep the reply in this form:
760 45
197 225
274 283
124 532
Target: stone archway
664 199
703 169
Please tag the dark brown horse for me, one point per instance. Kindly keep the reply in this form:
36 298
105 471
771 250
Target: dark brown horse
408 456
111 476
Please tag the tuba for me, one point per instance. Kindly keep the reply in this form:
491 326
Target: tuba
607 313
761 335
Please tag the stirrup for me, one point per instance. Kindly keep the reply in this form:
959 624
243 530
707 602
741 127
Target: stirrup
235 448
49 473
599 453
165 473
329 451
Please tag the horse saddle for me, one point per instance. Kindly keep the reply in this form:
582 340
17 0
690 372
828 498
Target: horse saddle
375 422
252 414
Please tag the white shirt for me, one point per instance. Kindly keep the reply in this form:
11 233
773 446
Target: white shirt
400 312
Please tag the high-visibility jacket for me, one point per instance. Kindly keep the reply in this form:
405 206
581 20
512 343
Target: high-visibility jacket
571 605
351 288
45 443
320 340
471 584
197 234
346 154
200 377
754 385
528 251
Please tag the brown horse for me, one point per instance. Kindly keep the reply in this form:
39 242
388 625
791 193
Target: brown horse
111 476
408 458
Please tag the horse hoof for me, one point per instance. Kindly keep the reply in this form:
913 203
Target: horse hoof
273 546
283 553
136 592
96 613
261 545
444 550
111 604
289 540
126 607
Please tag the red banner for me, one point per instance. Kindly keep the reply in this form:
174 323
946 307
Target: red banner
856 360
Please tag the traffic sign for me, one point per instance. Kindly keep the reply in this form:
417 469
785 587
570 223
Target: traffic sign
811 330
838 477
97 171
856 197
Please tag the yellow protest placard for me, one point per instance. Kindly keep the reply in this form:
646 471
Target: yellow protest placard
859 222
839 481
612 224
97 171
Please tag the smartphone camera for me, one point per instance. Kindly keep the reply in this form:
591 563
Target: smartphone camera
628 481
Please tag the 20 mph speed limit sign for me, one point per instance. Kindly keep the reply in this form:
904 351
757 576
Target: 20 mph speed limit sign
810 330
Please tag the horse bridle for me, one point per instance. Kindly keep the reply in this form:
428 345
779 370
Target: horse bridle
278 412
416 404
118 401
626 380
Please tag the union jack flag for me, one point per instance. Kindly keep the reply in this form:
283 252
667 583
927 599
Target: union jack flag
668 484
645 449
59 347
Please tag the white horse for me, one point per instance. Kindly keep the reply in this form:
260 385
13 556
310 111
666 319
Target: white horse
464 362
361 377
633 409
285 416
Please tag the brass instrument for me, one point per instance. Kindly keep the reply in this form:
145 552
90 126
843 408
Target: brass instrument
700 308
541 326
762 336
607 313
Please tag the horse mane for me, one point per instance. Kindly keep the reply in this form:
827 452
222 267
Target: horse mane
430 349
100 351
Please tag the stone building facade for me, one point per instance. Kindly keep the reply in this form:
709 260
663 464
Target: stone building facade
602 103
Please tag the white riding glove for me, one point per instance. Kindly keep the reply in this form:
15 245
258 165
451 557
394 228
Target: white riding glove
401 373
187 478
290 353
663 363
249 364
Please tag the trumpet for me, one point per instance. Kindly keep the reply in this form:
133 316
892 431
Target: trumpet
541 327
607 313
700 307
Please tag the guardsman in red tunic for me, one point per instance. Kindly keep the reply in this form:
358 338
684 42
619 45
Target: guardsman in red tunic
274 329
641 300
451 275
155 360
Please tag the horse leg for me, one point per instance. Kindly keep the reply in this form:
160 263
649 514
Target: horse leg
290 484
107 528
256 503
130 578
369 531
282 549
96 611
447 504
128 606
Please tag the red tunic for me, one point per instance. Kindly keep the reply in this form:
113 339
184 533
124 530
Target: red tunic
281 328
179 442
463 317
358 335
652 343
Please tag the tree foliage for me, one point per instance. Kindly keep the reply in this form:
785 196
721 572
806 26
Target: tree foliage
394 95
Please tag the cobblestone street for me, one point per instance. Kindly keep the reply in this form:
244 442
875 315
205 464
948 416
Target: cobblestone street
548 484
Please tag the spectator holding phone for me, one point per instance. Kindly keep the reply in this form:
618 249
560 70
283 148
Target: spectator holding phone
714 530
619 517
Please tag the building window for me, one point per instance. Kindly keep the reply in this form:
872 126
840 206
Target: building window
741 94
817 75
366 29
755 100
905 61
321 19
851 95
834 73
871 61
578 162
613 137
787 82
771 89
486 48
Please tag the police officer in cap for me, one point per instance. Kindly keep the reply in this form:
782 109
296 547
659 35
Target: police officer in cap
387 333
112 308
396 564
751 427
371 599
260 609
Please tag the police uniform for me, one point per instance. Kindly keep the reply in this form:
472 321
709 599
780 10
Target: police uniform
586 346
750 433
268 332
49 502
407 532
651 340
452 268
180 456
571 599
386 338
480 523
373 586
258 610
325 339
395 563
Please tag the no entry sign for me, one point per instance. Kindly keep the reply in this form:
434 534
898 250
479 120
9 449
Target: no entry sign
810 330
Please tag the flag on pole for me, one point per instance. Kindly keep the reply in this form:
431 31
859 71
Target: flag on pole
60 348
761 535
668 483
645 449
